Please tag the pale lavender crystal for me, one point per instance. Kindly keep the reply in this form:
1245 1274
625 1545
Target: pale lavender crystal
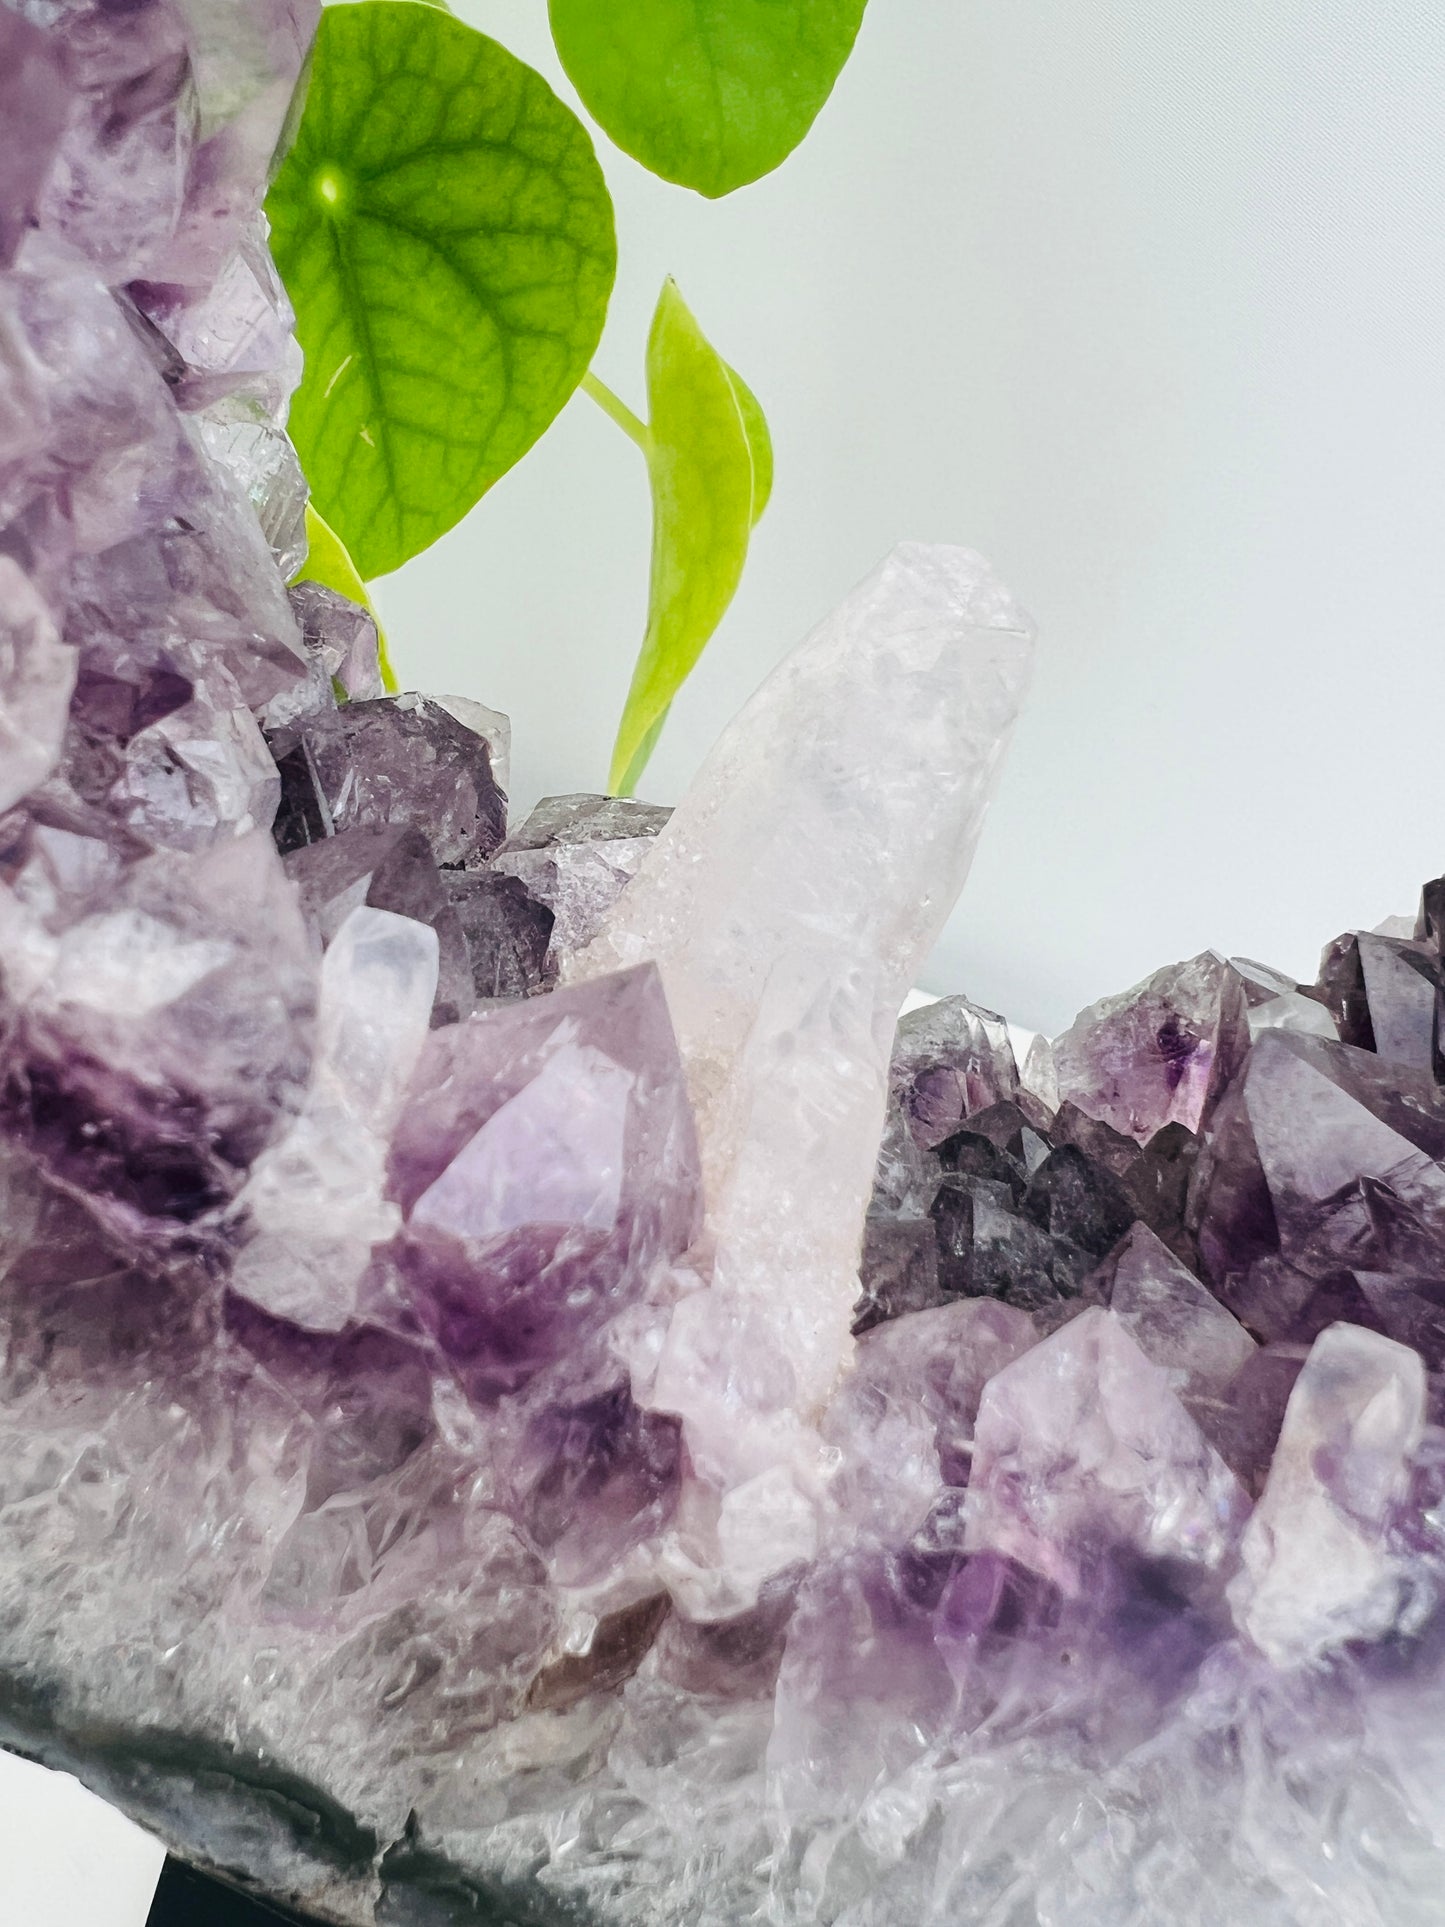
92 452
1244 1425
340 636
116 189
903 1424
788 909
202 580
35 105
1276 1002
245 62
240 437
312 1211
861 1693
1158 1054
1321 1562
200 774
1082 1445
404 760
37 673
231 337
1174 1319
576 855
547 1166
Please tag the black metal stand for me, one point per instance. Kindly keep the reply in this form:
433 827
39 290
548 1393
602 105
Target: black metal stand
186 1898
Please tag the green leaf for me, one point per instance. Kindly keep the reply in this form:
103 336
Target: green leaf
446 236
632 775
328 563
760 443
709 93
709 461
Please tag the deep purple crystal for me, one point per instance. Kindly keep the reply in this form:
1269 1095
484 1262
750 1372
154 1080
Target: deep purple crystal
393 760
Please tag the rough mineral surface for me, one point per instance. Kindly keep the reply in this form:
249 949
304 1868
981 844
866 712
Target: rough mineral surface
669 1448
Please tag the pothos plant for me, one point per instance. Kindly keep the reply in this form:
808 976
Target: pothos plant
445 233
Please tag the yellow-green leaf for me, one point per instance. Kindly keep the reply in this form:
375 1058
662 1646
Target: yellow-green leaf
709 461
760 442
328 563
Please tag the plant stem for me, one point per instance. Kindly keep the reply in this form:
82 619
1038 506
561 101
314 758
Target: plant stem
614 406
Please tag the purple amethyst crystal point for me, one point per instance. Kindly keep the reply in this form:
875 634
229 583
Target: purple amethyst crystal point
389 869
861 1693
158 1036
1322 1560
35 105
199 774
508 934
1323 1157
547 1167
116 189
1160 1053
1277 1002
903 1421
340 637
244 63
231 338
950 1059
1172 1318
1403 989
1082 1445
589 1475
407 760
93 453
576 855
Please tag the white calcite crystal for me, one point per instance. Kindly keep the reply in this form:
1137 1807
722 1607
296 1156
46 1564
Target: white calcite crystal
788 905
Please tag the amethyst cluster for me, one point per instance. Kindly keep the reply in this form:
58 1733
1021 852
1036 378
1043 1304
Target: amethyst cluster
521 1397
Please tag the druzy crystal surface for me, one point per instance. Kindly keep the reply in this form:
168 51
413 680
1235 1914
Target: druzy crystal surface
525 1395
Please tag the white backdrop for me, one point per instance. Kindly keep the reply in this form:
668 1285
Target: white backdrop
1146 300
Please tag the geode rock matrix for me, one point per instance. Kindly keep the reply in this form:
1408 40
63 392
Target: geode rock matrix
522 1398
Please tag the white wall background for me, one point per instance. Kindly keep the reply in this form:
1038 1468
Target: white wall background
67 1859
1146 300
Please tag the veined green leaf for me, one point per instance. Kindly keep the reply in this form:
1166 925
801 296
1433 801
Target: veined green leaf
709 93
328 563
445 233
709 460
